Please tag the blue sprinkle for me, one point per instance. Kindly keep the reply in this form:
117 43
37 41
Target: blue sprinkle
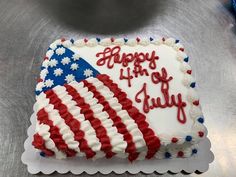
37 92
200 120
125 39
151 39
42 154
72 41
194 151
98 39
188 138
167 155
186 59
176 41
193 84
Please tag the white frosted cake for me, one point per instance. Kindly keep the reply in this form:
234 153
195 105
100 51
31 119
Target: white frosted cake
125 98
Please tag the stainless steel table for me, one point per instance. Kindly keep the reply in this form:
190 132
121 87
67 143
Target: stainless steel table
206 28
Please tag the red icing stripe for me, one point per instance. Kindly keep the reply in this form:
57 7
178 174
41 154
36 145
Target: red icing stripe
121 127
73 123
152 141
96 123
39 143
55 135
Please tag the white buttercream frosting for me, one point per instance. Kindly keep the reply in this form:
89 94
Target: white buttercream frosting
79 43
40 86
144 41
49 53
58 72
92 42
187 80
184 67
192 95
181 55
119 41
169 41
60 51
45 63
65 60
157 41
178 46
105 42
67 43
69 78
53 63
169 47
131 42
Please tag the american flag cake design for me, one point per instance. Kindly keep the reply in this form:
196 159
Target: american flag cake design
83 112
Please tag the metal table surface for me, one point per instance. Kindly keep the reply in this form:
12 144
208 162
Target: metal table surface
206 28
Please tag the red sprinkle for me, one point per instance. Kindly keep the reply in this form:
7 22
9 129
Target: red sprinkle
189 71
180 154
182 49
137 39
201 134
174 140
85 40
163 39
112 39
196 103
39 80
63 39
45 58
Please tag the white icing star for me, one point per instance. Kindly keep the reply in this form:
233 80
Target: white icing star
76 56
40 86
49 83
74 66
60 51
58 72
88 72
69 78
65 61
43 73
52 62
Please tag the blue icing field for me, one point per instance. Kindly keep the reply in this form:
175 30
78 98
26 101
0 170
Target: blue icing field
79 74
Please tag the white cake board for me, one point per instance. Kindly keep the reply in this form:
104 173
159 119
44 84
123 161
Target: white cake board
35 163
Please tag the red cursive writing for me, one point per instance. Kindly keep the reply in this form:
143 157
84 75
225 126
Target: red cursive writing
169 100
138 70
111 56
128 77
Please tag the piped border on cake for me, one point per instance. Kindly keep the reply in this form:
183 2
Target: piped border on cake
199 130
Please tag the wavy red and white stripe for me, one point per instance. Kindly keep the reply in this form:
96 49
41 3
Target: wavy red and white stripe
92 118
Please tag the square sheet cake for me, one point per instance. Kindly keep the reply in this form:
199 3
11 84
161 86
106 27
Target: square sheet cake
125 98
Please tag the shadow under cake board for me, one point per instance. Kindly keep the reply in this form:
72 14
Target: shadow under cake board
103 16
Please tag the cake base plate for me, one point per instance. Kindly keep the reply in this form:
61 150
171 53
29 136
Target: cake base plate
36 164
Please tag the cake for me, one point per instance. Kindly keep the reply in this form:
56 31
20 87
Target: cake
124 98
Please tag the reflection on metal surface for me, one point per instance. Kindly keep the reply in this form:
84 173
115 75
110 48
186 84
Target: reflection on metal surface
206 28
